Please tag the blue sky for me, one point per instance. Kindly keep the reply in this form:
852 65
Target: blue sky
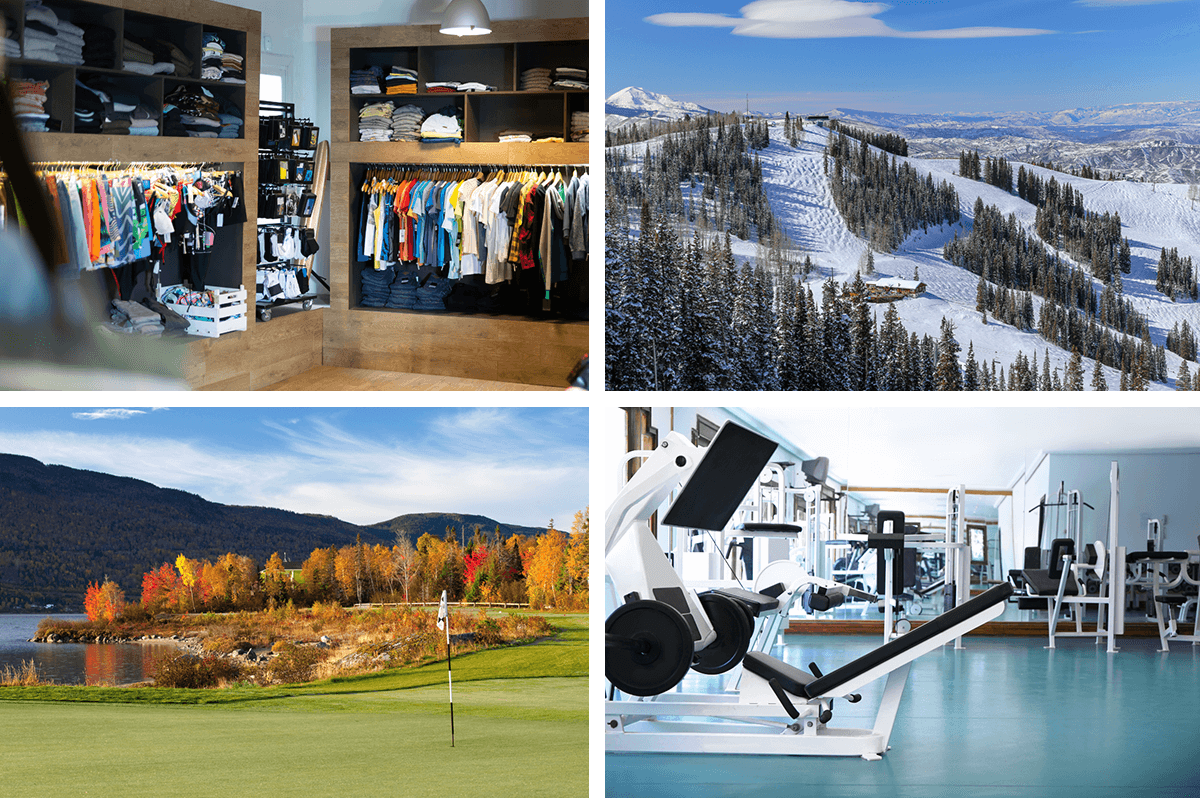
363 465
918 56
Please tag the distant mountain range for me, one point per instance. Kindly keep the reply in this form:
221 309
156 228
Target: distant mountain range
61 528
1158 142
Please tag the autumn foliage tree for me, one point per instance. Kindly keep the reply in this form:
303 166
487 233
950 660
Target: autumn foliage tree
104 602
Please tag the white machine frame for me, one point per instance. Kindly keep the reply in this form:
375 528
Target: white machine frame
1169 629
753 719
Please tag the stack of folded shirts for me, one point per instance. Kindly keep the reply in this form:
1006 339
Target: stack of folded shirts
375 121
163 52
12 48
231 126
550 139
445 87
133 317
474 86
47 38
404 291
89 107
536 79
570 78
406 123
433 292
400 81
579 126
376 286
99 47
465 296
442 126
213 57
366 81
29 101
143 122
232 68
515 135
198 113
134 53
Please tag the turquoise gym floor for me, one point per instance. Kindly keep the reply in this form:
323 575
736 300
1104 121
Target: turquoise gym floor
1004 718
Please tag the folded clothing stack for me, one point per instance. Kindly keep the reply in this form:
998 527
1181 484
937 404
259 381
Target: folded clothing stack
475 86
231 126
99 47
143 121
376 286
48 38
163 52
213 57
511 135
367 81
400 80
442 126
233 68
12 48
465 296
442 87
375 121
536 79
90 101
406 123
133 317
579 126
570 78
29 102
404 290
431 295
141 60
198 113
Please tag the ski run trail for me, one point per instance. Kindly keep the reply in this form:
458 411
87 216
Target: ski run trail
1153 216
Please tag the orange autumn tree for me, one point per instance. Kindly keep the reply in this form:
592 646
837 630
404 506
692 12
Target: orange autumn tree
104 602
545 568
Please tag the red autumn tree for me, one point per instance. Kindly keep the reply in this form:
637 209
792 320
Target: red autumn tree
161 588
104 602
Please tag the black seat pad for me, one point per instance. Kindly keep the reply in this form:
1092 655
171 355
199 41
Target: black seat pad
791 679
756 602
1040 583
762 526
1139 556
1171 598
828 683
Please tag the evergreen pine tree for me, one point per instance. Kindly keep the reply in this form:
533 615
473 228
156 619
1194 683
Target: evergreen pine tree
1098 383
1184 381
971 380
948 376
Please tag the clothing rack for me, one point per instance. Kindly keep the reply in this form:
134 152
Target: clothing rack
460 167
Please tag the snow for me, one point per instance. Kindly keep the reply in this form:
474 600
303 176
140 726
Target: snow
1152 215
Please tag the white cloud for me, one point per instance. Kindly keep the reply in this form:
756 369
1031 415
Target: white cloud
109 413
822 19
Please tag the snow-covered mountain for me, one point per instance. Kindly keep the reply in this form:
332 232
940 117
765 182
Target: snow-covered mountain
632 105
1144 141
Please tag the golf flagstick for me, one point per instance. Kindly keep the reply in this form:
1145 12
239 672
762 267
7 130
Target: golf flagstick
443 621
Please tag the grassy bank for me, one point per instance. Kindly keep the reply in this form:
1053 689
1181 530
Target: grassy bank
520 721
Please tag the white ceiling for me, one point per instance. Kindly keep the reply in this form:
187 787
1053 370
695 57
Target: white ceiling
907 447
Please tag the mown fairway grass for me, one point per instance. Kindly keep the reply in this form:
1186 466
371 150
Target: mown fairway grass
520 722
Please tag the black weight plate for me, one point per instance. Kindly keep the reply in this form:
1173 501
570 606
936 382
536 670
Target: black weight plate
667 643
733 628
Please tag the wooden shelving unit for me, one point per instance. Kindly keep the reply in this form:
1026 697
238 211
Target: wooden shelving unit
263 354
505 348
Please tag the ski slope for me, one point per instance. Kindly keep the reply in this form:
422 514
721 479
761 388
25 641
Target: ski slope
1153 216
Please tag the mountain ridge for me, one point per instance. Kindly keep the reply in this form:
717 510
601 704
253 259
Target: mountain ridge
62 527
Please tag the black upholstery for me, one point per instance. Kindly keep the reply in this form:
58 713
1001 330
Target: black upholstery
1151 556
790 678
1171 598
756 602
728 468
828 683
1042 584
757 526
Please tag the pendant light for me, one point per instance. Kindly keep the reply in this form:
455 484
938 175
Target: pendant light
466 18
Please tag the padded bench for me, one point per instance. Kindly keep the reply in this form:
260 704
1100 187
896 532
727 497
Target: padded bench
756 603
799 683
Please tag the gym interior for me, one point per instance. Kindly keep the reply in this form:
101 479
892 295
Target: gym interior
1040 637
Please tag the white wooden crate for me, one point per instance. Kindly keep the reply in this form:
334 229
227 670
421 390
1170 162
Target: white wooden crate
228 315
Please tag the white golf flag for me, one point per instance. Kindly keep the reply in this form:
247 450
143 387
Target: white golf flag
441 621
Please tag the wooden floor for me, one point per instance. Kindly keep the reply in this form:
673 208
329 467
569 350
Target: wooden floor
333 378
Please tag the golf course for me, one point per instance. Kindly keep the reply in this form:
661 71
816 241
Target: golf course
520 728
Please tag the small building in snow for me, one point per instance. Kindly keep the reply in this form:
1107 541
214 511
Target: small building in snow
891 289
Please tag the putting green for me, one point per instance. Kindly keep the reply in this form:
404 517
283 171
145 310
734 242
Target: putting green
386 734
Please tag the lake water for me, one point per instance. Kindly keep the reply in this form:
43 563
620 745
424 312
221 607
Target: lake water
75 663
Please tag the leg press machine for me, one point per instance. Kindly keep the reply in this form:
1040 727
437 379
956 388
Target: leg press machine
662 628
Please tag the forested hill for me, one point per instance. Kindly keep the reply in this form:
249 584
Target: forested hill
414 525
61 528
